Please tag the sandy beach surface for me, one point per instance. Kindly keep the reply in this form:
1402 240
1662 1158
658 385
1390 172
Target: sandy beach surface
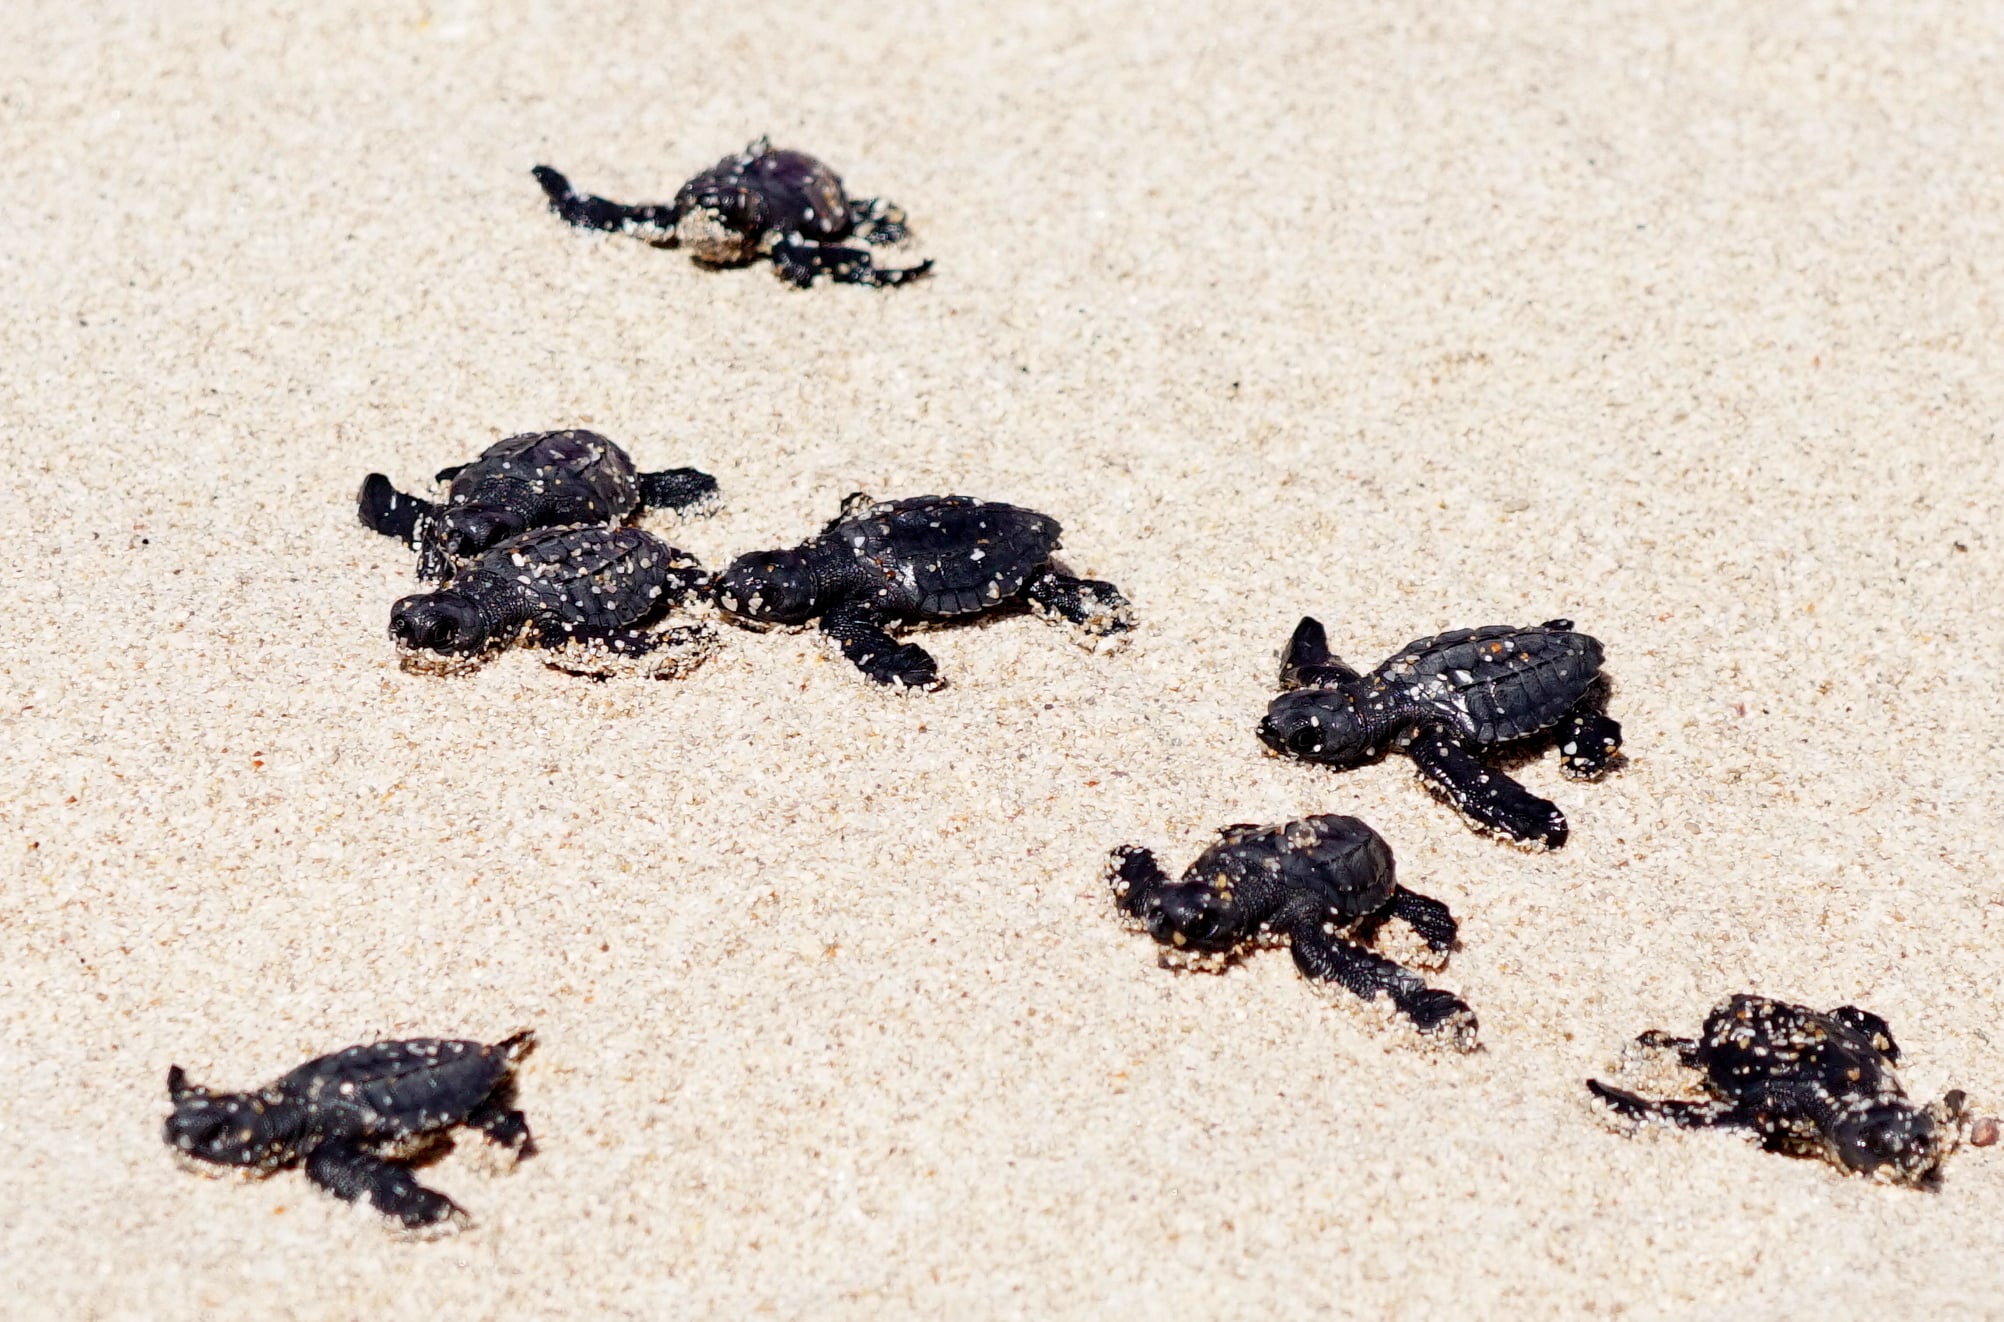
1679 320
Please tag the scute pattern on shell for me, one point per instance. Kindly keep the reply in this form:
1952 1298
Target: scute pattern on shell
942 556
397 1089
589 578
594 477
1498 682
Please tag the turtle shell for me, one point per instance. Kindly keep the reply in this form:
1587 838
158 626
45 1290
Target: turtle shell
1339 860
1498 682
942 556
388 1090
1750 1041
794 193
594 579
560 476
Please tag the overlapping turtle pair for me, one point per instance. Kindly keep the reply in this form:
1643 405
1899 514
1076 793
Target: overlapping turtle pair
531 541
1325 885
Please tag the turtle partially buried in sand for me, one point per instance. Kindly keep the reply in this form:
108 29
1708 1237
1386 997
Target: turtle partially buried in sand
542 479
1803 1082
926 559
596 598
758 203
1445 701
1324 886
357 1118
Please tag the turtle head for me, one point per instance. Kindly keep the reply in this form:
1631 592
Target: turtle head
445 622
720 220
224 1129
1891 1140
1190 916
771 587
1318 725
718 232
470 529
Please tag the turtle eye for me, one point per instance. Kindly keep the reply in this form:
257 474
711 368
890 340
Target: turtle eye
1307 739
1196 919
1201 926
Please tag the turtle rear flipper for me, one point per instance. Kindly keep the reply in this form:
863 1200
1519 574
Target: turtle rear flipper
1096 609
1710 1114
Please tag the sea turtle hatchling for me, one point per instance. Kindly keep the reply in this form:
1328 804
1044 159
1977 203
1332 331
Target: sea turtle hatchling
357 1118
1805 1083
595 596
1444 701
542 479
785 205
1326 886
923 559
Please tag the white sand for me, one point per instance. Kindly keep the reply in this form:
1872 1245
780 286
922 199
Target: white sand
1681 323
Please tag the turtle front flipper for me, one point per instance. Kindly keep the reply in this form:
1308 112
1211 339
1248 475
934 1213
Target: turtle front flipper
862 637
652 653
1136 879
351 1173
652 222
676 489
799 261
1096 609
1682 1115
1323 954
1485 795
386 510
1307 662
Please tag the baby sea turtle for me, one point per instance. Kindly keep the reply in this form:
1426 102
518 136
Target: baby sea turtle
1445 700
358 1117
541 479
785 205
595 595
1806 1083
926 558
1326 886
